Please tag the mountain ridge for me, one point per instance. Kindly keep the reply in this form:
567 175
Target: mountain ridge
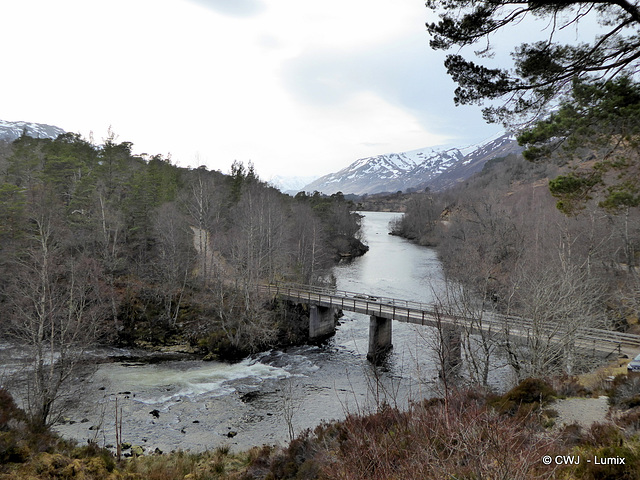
434 167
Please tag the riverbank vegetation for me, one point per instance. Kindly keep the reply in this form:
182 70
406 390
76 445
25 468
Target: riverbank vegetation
464 434
98 244
552 236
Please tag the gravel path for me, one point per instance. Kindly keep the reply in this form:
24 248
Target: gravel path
583 411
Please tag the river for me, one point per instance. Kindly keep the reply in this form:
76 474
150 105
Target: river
199 405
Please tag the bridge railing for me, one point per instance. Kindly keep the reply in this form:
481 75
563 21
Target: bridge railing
581 332
418 312
317 293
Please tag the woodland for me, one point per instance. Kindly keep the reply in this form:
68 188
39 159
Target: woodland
98 244
552 235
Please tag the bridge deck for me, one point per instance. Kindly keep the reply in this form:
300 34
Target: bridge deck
418 313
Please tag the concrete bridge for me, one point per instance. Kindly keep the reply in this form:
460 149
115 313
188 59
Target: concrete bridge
324 302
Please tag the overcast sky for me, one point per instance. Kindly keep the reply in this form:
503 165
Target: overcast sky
299 87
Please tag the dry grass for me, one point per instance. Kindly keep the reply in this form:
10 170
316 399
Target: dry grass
599 380
461 437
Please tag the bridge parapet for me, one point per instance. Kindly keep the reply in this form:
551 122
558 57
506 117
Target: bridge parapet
392 308
603 340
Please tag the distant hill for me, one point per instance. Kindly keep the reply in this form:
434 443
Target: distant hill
9 131
436 168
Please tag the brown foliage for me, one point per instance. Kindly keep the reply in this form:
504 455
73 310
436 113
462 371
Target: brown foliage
462 438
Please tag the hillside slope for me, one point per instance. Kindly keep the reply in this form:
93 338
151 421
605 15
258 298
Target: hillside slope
436 168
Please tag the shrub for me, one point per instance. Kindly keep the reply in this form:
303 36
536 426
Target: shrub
13 436
630 470
630 420
459 438
571 435
630 402
92 450
625 391
604 434
9 412
525 398
297 461
12 450
531 390
569 386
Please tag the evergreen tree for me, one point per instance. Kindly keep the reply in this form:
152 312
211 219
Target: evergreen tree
597 131
543 70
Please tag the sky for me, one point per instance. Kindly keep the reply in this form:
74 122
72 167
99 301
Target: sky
297 87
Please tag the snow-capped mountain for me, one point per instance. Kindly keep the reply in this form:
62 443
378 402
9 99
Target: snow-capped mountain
433 167
9 131
474 160
291 185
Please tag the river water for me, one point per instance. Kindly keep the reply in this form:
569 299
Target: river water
200 405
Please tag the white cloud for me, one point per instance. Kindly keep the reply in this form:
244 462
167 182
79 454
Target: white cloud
314 140
241 8
208 80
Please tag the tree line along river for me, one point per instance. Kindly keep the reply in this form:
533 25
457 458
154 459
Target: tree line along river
196 405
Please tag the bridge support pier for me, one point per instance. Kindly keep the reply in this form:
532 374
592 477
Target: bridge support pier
322 322
379 338
451 338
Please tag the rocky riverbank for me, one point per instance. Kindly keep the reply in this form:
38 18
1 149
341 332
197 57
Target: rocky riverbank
179 405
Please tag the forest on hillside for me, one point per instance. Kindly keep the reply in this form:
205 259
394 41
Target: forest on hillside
98 244
554 235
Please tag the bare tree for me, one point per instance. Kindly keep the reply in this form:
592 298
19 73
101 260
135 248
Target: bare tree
109 239
203 202
173 260
57 310
258 249
240 318
254 250
482 246
308 241
556 304
445 342
480 337
291 403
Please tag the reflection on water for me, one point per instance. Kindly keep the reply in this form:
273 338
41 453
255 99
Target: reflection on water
393 267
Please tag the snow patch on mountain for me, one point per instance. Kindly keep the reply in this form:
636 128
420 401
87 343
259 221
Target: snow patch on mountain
291 184
10 131
413 169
